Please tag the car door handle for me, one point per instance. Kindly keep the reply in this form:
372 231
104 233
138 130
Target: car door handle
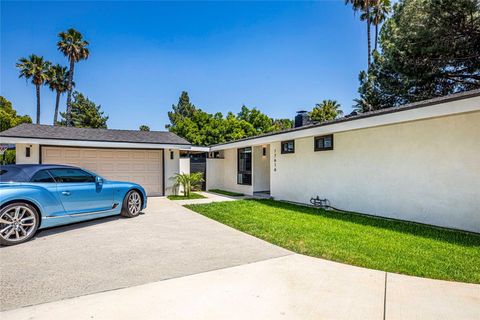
66 193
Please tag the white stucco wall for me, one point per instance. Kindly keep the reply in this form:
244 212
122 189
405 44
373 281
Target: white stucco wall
171 168
222 173
261 169
184 165
426 171
20 153
215 173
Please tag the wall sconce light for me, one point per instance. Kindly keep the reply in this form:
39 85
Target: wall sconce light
171 155
27 152
264 151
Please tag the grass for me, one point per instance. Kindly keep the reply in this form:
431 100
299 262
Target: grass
193 195
376 243
226 193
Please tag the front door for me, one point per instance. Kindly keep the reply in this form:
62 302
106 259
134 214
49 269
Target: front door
79 193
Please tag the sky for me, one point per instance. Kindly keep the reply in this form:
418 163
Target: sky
280 57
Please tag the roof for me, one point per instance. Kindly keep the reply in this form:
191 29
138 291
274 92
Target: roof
410 106
40 131
26 171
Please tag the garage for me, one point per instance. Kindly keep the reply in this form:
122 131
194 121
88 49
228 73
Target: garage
142 166
149 158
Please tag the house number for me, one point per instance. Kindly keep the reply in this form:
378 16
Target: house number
275 160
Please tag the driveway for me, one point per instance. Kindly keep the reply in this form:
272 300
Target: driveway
168 241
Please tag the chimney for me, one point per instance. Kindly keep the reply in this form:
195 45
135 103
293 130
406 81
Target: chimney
302 119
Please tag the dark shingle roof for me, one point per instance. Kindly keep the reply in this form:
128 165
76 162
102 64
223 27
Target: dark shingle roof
39 131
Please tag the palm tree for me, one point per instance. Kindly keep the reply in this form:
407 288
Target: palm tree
72 45
380 11
58 82
326 110
35 68
364 6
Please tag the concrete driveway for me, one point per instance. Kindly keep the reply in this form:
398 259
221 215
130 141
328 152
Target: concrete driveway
168 241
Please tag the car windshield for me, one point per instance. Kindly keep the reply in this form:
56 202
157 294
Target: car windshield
12 174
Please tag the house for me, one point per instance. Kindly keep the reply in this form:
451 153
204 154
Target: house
149 158
419 162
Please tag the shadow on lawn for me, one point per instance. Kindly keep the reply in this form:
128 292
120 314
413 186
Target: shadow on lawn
417 229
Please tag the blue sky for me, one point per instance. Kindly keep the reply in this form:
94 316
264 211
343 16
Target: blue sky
278 56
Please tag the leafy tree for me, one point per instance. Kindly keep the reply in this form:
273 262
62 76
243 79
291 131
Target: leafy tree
144 128
202 128
326 110
74 47
282 124
58 82
35 68
260 121
85 113
430 48
9 117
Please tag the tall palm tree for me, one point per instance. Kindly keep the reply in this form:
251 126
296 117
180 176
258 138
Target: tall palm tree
58 82
72 45
35 68
364 6
380 11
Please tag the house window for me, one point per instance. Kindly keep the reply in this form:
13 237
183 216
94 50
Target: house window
288 146
244 168
323 143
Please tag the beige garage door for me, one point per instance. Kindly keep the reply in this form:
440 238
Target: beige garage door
135 165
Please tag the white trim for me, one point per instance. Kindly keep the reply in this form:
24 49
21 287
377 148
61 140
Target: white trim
433 111
97 144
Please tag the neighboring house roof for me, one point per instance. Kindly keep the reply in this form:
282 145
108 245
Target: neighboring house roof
364 115
39 131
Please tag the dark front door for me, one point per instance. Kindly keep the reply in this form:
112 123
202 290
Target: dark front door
198 163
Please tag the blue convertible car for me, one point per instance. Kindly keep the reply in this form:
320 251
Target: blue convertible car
34 197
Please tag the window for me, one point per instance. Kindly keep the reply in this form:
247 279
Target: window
244 157
323 143
42 176
288 146
71 175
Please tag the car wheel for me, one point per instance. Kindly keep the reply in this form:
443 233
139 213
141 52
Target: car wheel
18 223
132 204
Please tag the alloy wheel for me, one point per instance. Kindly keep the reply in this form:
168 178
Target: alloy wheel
17 223
134 203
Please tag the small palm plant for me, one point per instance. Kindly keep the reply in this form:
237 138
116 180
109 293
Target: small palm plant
187 182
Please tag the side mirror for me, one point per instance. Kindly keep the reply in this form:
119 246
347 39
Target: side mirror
98 180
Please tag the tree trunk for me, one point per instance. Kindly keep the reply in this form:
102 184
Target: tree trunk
55 115
68 117
368 34
37 87
376 36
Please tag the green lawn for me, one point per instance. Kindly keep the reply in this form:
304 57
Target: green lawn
193 195
226 193
360 240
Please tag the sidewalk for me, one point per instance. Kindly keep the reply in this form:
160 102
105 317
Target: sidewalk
290 287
